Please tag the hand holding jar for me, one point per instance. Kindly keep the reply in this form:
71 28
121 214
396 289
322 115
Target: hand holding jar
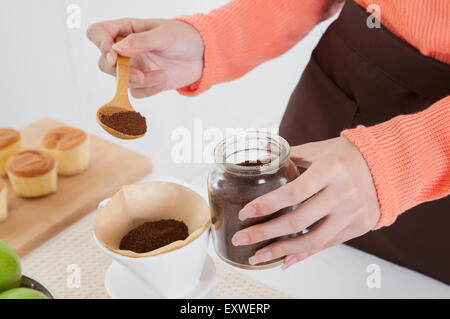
335 193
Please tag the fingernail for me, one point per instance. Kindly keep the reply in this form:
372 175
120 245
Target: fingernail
247 212
252 261
240 239
260 257
264 256
110 59
120 46
289 261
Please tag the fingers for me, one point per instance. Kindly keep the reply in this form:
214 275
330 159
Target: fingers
102 34
149 79
138 43
141 84
109 30
137 77
307 184
303 155
345 234
108 52
304 245
307 214
146 92
106 67
153 83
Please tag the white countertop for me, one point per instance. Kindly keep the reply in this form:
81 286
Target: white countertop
338 272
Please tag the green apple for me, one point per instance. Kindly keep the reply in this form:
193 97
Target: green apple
10 270
22 293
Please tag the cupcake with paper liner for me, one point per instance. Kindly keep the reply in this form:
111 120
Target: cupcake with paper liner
3 201
10 143
33 173
70 147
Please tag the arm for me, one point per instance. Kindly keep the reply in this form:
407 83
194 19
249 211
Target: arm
245 33
408 157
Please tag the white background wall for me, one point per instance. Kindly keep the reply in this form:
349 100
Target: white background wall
50 70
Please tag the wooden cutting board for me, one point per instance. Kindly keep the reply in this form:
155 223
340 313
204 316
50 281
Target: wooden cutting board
33 221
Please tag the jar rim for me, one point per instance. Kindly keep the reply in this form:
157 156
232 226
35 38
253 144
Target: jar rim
272 166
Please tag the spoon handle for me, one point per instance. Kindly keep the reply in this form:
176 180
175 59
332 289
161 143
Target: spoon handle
123 76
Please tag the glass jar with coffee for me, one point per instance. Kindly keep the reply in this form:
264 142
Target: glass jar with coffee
248 165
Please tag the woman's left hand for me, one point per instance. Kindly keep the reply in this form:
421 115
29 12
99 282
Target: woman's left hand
336 190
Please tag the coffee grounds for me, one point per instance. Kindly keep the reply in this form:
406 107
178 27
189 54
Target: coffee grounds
153 235
251 163
129 122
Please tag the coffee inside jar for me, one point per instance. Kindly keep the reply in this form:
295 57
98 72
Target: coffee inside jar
248 165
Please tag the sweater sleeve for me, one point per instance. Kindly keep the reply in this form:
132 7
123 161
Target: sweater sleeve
244 33
408 157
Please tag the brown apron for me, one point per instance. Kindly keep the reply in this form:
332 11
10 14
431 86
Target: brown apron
358 75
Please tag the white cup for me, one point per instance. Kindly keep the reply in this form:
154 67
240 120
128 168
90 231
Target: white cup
173 274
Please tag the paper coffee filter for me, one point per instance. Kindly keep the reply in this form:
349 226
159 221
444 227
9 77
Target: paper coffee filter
136 204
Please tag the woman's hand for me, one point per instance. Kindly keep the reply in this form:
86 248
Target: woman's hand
336 191
165 54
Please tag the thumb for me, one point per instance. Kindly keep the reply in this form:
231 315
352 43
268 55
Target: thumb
137 43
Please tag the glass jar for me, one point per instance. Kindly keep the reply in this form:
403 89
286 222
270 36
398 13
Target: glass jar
248 165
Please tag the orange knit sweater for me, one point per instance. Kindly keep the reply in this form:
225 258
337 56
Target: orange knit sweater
409 155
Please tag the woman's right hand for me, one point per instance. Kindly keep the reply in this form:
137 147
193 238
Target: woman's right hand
165 54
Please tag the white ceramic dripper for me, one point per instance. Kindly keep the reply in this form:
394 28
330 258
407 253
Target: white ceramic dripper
174 270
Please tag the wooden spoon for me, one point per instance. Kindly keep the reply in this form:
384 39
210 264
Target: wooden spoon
120 102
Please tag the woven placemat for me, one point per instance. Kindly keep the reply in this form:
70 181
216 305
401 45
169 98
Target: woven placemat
58 262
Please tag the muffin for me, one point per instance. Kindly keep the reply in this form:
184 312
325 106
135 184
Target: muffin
32 173
10 141
70 147
3 201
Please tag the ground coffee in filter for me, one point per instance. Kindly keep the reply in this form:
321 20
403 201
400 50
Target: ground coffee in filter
153 235
135 205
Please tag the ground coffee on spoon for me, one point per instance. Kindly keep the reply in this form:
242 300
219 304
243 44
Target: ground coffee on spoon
129 122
